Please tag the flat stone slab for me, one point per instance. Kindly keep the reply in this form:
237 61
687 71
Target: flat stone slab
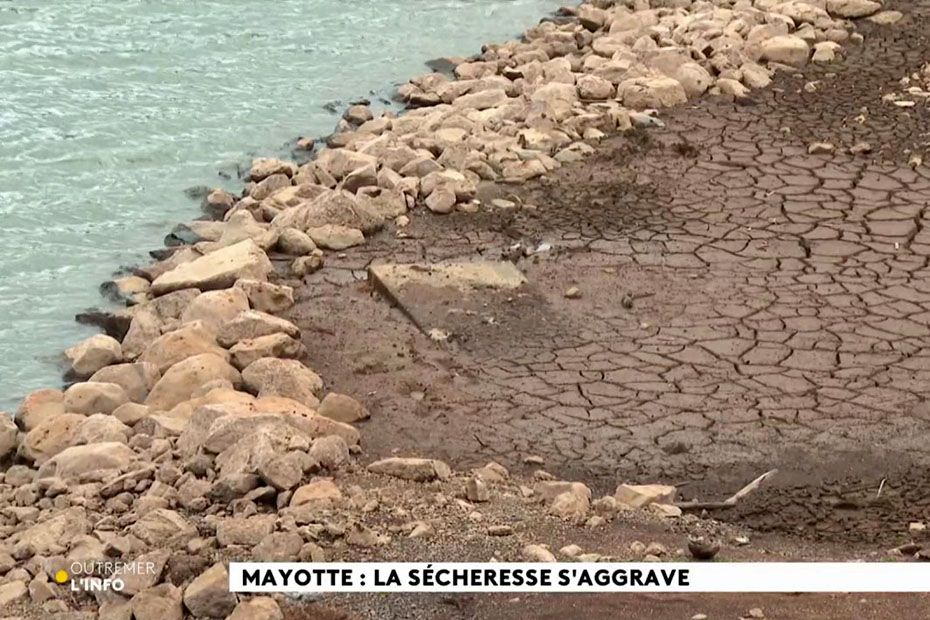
444 298
463 276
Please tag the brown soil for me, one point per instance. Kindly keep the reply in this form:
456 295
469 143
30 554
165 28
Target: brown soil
744 306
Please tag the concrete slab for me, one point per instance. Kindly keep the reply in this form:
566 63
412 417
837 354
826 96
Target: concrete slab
447 299
463 276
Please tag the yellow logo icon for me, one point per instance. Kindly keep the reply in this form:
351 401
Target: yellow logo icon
61 576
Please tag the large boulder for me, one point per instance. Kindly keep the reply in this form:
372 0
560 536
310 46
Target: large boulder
135 378
40 406
787 49
594 88
333 207
187 341
217 270
254 324
93 397
101 428
241 226
78 461
342 408
55 534
321 492
208 595
50 437
339 163
289 378
260 607
651 92
264 167
335 237
162 527
851 9
181 380
161 602
214 308
273 345
92 354
265 296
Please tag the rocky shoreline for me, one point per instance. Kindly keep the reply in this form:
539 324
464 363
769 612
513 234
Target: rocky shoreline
194 434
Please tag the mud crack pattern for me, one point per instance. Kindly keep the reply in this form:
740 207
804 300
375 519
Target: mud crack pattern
744 305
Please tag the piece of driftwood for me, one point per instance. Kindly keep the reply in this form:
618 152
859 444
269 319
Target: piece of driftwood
730 501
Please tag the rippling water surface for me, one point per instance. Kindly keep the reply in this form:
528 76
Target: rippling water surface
109 110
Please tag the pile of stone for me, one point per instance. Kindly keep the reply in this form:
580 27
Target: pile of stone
522 109
515 112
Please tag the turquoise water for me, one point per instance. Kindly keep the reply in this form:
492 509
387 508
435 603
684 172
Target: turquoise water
110 110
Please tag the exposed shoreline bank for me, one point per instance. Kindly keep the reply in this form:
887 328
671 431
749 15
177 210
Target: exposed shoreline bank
204 325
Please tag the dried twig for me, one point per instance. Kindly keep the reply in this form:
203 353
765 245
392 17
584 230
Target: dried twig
730 501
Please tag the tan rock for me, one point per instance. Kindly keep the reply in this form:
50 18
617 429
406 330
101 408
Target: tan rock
754 75
161 602
339 163
322 492
79 461
537 553
651 92
417 469
732 88
267 297
128 290
330 452
852 9
305 265
131 413
267 187
273 345
188 340
594 88
163 528
50 437
217 270
263 168
340 208
283 472
786 49
214 308
244 531
441 200
242 226
295 242
12 593
93 397
153 564
137 379
258 608
101 428
343 408
642 495
571 506
40 406
254 324
181 380
55 534
289 378
92 354
9 436
335 237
